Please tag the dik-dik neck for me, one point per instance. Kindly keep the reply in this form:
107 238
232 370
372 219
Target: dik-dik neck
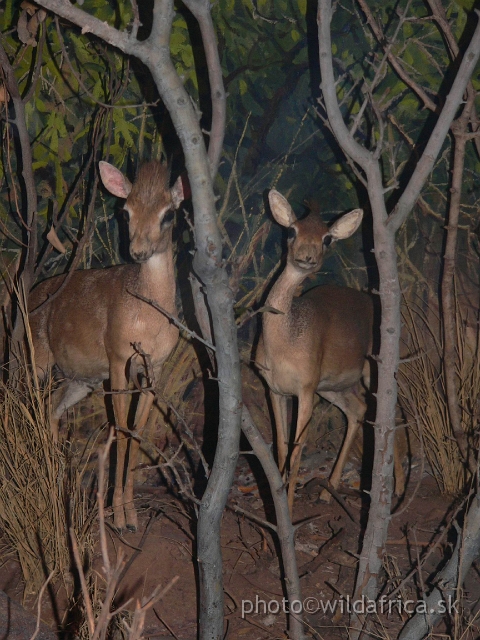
282 293
156 279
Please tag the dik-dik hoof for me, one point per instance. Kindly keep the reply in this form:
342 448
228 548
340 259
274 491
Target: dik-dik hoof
325 496
118 530
119 525
132 528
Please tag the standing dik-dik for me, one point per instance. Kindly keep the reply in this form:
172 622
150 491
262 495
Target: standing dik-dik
318 343
88 331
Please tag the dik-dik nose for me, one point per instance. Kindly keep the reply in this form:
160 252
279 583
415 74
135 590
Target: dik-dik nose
307 257
140 255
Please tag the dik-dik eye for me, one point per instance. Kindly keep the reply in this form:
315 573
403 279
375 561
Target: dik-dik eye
291 233
327 241
125 213
167 219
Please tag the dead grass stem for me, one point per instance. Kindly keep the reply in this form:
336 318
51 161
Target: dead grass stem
422 391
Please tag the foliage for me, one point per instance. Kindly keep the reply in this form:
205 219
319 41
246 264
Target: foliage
86 103
89 99
269 55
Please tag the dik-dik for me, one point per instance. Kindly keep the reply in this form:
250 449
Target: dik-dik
89 329
318 343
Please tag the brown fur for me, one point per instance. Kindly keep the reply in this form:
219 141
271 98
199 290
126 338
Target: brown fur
318 343
89 329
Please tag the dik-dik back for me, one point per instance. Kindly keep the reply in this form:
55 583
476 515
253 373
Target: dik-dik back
96 318
332 329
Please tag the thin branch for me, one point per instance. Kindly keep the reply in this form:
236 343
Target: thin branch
459 128
328 87
39 605
379 73
89 224
83 583
393 60
285 530
136 19
201 9
102 463
28 215
38 64
174 319
66 208
437 137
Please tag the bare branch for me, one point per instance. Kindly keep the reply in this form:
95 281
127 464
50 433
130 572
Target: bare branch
437 137
201 9
174 320
28 215
89 24
394 61
345 139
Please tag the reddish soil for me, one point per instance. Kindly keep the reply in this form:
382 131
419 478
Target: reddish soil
326 545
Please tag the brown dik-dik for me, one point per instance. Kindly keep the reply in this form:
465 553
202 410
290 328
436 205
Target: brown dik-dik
318 343
88 331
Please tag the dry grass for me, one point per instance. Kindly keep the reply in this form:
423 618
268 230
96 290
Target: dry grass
41 493
422 392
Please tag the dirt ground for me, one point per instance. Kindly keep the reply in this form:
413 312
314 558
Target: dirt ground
326 544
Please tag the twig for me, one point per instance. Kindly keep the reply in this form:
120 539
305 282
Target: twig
446 529
139 548
39 605
83 583
251 516
422 458
102 463
101 392
312 566
202 12
85 238
66 207
336 495
38 64
174 320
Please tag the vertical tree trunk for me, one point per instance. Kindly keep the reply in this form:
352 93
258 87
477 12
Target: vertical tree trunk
385 227
154 52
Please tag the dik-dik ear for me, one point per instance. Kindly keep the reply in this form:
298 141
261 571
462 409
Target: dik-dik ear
345 226
177 192
114 180
281 210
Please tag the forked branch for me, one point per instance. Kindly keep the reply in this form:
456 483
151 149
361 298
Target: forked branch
385 228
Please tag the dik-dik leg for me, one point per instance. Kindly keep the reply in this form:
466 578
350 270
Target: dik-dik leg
64 397
124 512
141 416
118 381
279 406
353 406
305 408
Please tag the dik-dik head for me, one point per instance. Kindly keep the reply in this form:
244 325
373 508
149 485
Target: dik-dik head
309 238
150 205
